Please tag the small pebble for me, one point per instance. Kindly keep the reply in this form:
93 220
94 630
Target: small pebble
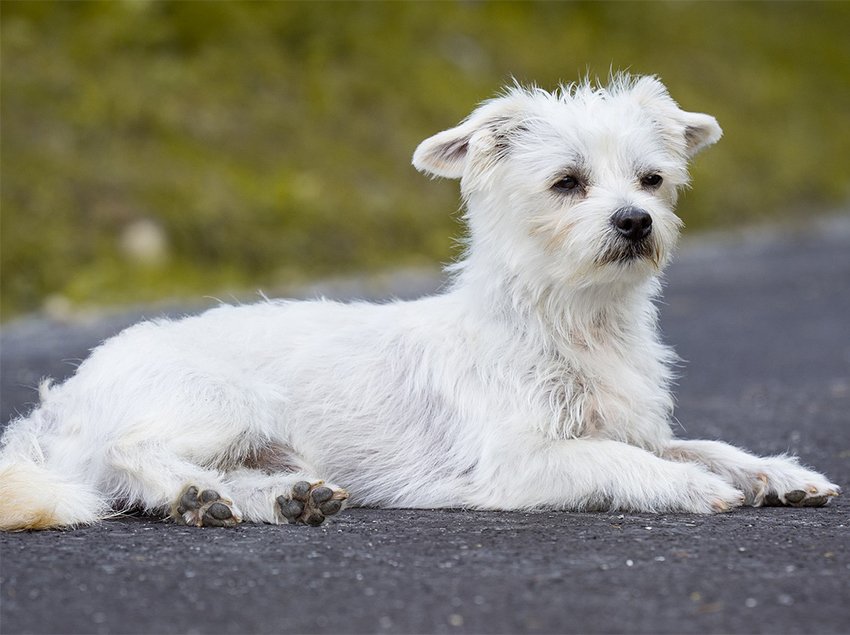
455 619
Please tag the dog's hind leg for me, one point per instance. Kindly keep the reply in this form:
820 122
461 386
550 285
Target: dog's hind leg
774 480
148 476
296 497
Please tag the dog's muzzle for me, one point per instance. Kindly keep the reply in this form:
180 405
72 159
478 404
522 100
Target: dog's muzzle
632 223
631 237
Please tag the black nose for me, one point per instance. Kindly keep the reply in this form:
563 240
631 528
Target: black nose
632 222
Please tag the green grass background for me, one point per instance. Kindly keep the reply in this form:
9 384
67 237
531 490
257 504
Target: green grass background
270 142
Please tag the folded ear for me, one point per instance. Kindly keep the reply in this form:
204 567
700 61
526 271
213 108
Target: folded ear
445 153
701 131
696 130
484 136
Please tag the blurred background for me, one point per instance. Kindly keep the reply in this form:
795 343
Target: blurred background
158 150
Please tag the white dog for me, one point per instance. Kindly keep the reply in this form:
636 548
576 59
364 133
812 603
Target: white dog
537 381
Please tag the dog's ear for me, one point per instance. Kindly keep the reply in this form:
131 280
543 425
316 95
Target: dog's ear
701 131
480 139
445 153
695 129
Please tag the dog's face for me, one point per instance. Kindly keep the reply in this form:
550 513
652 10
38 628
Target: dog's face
579 185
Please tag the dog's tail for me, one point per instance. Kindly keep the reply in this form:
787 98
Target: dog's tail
33 497
35 494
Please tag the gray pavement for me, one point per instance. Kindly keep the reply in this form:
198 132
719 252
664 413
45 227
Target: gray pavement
762 321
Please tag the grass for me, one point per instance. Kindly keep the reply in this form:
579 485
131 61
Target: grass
257 144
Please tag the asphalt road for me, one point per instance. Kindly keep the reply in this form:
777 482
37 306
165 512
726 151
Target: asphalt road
763 324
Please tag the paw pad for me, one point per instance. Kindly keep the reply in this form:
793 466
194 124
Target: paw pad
205 509
795 496
310 504
810 497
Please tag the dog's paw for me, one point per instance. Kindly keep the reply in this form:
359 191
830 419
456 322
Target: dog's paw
310 503
785 484
707 493
724 498
205 509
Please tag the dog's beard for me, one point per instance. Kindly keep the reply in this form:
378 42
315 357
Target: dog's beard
624 252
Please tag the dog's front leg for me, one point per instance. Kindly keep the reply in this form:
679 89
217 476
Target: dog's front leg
595 474
775 480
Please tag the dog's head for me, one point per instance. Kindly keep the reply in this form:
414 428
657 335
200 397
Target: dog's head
579 184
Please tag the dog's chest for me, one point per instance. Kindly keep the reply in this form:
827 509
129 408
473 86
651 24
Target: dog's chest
604 391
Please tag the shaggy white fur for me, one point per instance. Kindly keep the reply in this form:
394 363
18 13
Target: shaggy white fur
537 380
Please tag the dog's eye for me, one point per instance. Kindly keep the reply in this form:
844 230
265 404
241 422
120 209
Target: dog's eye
567 183
651 180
